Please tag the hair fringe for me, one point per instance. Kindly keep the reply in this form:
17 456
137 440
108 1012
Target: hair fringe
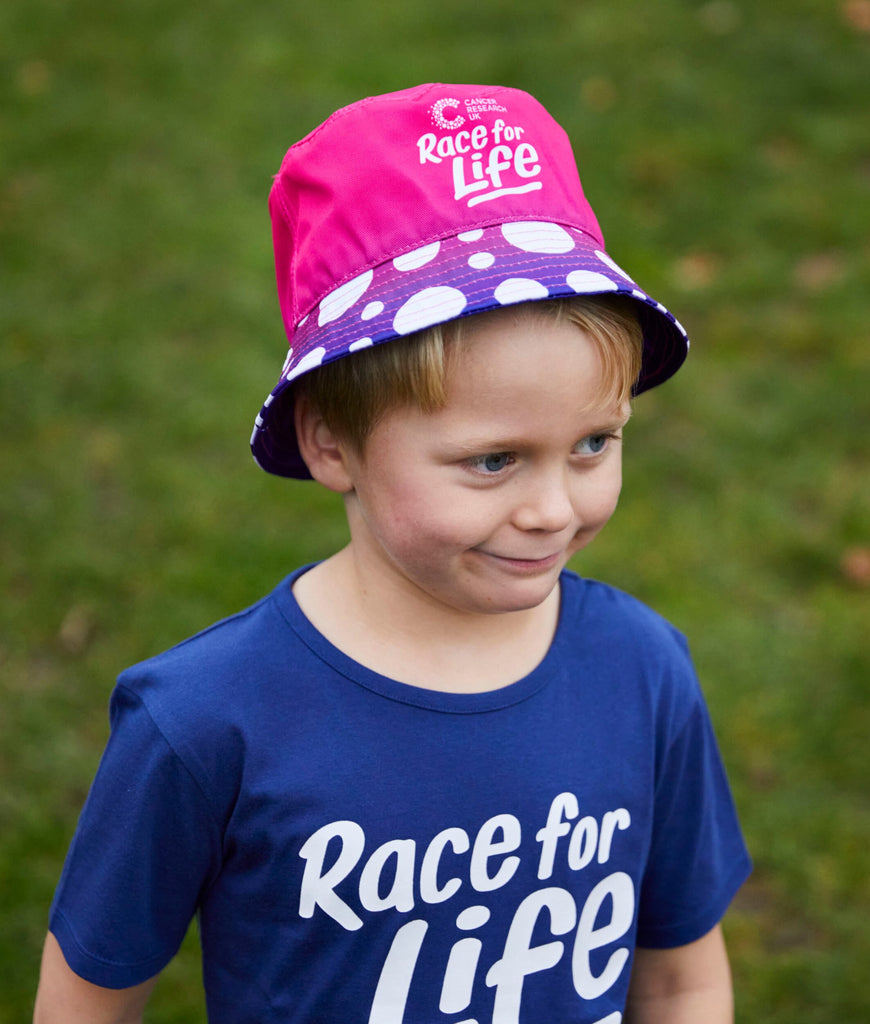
353 394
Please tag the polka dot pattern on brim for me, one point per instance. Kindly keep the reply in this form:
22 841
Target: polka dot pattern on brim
474 271
398 297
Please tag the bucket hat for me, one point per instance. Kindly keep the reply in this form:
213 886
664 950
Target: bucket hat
413 208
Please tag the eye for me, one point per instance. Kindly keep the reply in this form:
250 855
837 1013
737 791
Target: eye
594 444
493 462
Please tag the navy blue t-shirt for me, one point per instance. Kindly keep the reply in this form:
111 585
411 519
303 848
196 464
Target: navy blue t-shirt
361 850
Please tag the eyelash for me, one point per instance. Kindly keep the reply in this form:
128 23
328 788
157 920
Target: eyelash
612 436
477 462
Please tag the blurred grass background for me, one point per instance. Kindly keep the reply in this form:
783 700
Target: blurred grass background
726 148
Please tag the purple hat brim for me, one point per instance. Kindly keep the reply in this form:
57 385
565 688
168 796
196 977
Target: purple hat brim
472 272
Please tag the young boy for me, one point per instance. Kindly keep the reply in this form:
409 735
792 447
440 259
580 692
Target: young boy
436 777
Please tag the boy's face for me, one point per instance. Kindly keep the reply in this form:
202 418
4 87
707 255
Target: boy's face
478 506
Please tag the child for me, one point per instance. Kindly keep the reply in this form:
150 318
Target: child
435 777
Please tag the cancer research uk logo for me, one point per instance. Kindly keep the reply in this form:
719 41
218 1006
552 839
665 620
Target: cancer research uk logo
487 162
438 114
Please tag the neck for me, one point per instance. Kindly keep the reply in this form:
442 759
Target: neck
409 636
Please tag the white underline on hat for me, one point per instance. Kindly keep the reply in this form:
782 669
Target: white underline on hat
533 186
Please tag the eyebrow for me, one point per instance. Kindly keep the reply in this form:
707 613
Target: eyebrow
492 443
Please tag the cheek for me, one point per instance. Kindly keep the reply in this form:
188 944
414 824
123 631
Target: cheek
420 525
599 498
426 528
407 519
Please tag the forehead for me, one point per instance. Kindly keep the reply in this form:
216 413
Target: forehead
513 381
517 352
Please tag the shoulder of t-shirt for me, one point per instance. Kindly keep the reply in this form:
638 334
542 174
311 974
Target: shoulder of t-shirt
219 666
620 612
631 646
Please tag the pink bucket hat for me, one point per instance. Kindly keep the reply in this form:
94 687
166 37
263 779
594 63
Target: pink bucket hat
417 207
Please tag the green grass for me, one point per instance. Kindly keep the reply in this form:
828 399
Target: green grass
726 148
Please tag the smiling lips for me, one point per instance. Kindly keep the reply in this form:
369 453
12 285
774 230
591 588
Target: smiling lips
545 562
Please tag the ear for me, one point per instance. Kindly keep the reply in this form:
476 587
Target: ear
324 454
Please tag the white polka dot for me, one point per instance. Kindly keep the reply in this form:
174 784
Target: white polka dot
418 258
481 260
638 294
607 261
586 282
338 302
303 321
308 362
372 310
538 236
471 236
287 362
427 307
519 289
355 346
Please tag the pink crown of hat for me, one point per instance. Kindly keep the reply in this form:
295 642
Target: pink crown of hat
417 207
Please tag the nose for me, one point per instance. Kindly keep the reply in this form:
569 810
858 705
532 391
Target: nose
545 503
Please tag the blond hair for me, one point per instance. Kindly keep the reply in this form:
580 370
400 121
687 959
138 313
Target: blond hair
353 393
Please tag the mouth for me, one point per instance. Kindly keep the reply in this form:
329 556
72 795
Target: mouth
526 565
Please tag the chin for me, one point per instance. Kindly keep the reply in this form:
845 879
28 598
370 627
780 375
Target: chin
518 599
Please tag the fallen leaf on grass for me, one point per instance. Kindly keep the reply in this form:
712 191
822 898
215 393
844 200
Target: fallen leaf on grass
720 17
598 94
855 566
33 78
77 629
696 270
857 14
820 270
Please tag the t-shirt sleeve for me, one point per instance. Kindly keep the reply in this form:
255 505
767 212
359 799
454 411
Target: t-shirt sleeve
698 859
146 845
